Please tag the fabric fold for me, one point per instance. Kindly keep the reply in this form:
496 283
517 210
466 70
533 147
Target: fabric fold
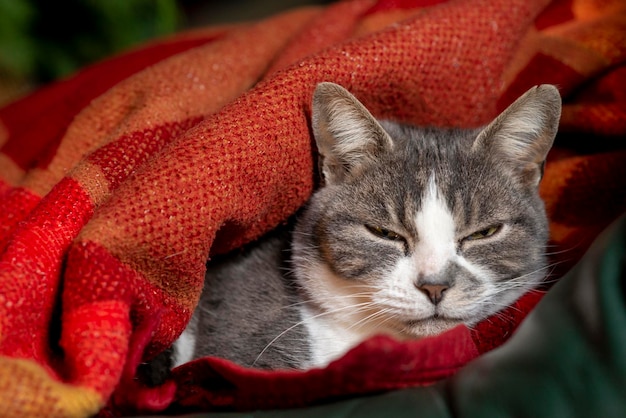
135 171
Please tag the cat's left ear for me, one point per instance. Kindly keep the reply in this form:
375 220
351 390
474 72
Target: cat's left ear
523 134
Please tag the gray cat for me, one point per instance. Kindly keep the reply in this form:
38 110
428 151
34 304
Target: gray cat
413 231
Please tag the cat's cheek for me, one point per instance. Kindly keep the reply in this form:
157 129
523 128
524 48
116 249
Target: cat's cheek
471 274
351 253
473 292
403 273
467 306
494 298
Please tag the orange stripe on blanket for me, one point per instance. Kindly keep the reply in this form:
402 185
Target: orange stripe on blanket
601 119
4 133
10 172
335 23
116 160
42 118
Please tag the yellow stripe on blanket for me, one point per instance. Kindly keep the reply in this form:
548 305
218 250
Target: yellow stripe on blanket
27 390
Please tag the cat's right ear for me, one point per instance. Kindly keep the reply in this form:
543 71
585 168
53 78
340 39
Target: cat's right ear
522 135
346 133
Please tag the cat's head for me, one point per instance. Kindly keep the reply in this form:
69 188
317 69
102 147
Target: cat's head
417 230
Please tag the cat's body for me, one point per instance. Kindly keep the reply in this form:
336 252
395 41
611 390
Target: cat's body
249 299
414 231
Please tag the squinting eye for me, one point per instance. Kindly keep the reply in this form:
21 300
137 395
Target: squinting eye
384 233
484 233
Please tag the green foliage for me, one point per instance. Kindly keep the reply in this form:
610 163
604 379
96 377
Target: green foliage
42 40
16 46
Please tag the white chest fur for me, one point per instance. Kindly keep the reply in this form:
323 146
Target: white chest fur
329 340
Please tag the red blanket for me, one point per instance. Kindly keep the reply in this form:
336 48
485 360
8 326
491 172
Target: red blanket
117 184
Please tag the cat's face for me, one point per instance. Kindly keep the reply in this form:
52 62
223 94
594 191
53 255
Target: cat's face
418 230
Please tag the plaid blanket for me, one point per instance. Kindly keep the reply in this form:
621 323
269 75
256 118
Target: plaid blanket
117 184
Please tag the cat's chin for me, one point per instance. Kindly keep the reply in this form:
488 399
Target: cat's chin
428 327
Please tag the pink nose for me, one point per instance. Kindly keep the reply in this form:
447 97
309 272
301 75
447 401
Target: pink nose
433 291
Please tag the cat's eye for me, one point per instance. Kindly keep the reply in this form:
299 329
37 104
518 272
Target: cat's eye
385 233
484 233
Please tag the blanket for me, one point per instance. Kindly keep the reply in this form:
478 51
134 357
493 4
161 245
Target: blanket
117 185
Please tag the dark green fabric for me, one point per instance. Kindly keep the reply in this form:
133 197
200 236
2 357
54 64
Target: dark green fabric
568 358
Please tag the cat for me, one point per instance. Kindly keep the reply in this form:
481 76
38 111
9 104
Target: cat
412 232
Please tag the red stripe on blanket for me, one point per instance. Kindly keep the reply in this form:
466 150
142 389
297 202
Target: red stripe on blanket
31 269
96 348
16 204
4 188
557 12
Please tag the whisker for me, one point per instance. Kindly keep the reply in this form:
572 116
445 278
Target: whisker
336 297
370 318
304 321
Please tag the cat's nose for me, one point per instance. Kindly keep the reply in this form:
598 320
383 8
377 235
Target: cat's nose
433 291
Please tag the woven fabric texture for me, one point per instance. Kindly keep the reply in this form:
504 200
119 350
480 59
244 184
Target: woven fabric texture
117 184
